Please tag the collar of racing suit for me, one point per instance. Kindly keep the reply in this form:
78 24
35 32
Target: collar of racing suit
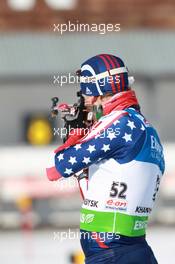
120 101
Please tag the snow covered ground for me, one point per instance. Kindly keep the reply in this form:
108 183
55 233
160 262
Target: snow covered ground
45 247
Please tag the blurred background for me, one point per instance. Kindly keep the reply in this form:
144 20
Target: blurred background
33 53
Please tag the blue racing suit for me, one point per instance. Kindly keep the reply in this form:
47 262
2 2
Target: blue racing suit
125 161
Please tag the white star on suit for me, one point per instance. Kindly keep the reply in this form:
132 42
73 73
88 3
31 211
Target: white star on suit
127 137
86 160
131 124
72 160
60 157
68 171
111 135
78 146
105 148
91 148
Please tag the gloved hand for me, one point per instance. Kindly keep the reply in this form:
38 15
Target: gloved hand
74 136
53 174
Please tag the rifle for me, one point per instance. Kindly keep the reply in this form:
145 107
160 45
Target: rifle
74 116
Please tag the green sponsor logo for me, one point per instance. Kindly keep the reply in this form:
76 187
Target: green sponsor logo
86 218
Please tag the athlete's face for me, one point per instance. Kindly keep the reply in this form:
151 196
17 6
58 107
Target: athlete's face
90 102
95 100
